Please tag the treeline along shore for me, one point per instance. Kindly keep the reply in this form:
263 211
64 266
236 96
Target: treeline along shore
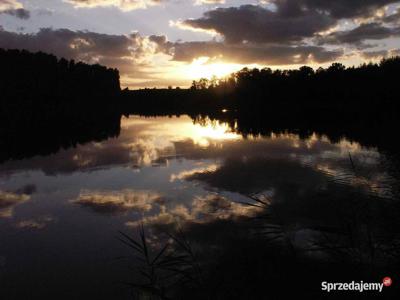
368 88
47 103
361 103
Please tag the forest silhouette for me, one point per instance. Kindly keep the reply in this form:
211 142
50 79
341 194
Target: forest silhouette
49 103
362 89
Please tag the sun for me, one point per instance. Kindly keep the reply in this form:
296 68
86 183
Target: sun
202 68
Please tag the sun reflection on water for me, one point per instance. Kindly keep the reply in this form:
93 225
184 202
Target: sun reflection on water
201 135
178 129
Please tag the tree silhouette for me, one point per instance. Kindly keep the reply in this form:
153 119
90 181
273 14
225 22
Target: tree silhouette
47 103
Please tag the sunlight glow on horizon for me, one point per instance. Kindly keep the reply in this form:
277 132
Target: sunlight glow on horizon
201 67
173 73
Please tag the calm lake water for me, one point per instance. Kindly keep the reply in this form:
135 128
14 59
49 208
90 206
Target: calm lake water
60 214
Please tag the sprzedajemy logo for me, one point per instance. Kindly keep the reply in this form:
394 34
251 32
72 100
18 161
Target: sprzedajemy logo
359 286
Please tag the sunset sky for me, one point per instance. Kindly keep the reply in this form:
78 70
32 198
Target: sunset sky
171 42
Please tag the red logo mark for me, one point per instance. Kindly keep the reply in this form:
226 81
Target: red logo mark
387 281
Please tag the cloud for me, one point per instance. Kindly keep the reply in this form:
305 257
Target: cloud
70 44
161 43
118 201
257 24
125 5
291 21
200 2
337 9
19 13
246 53
44 12
14 8
379 54
128 5
357 36
254 53
10 4
28 189
288 32
392 18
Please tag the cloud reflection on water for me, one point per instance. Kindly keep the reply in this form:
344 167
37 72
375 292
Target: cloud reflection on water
10 199
35 223
154 141
118 201
226 161
202 210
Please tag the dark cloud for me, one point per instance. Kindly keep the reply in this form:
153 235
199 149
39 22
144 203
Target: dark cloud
19 13
14 8
44 12
257 24
255 34
246 53
163 45
379 54
254 53
337 9
69 44
392 18
260 174
368 31
28 189
374 54
291 21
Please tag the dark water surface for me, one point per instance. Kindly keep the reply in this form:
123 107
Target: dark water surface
60 214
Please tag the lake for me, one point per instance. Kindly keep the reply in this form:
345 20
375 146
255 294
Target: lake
61 214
